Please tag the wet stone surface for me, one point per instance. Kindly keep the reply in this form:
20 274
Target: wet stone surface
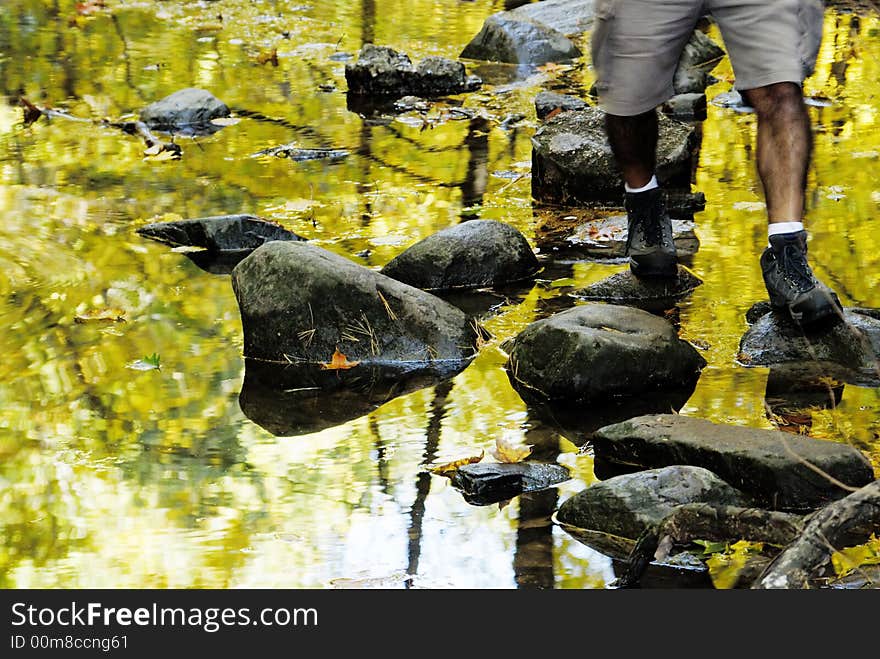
486 483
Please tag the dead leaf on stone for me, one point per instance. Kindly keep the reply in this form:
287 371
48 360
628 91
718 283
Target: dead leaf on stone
552 113
111 315
450 468
510 450
338 362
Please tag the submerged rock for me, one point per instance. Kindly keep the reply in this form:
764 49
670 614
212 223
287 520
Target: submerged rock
548 102
605 237
302 303
380 70
486 483
473 254
653 294
853 344
298 399
626 505
775 468
598 352
187 110
218 233
572 160
224 240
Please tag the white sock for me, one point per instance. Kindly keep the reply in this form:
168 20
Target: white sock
650 186
775 228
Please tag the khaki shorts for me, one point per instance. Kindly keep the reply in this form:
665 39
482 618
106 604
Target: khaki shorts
636 45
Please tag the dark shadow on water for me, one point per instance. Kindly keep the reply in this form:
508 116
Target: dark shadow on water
579 421
298 399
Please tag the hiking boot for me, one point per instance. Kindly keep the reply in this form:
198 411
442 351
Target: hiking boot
649 239
791 283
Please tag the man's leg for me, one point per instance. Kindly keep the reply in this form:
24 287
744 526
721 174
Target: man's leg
784 149
785 144
634 144
636 45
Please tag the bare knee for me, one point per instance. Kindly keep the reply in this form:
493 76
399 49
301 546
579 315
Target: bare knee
781 99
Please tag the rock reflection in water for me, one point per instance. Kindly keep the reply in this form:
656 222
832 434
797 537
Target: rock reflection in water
298 399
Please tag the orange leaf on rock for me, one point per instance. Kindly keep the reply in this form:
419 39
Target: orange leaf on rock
338 361
451 467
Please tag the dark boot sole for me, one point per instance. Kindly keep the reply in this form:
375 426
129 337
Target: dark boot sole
654 266
816 307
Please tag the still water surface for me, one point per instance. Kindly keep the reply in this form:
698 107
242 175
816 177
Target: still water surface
116 477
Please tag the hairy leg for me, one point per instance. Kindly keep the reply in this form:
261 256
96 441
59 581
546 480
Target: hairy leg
785 145
634 144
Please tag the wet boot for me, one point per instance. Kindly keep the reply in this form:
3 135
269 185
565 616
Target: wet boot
792 286
649 240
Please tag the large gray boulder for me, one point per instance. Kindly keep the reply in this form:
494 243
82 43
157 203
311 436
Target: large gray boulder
189 110
549 31
853 345
301 303
473 254
778 469
572 159
600 352
520 40
382 71
626 505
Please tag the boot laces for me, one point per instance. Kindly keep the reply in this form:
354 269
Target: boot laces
793 262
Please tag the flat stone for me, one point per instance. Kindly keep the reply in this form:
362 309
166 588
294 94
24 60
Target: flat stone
548 102
769 465
687 106
218 233
382 71
652 294
606 237
485 483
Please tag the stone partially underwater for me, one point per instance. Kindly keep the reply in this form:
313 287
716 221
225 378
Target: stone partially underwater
848 350
383 71
297 399
600 352
650 294
301 303
188 111
485 483
222 240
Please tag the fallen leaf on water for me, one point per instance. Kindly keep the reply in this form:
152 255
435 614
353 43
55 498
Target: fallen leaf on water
89 7
31 111
148 363
268 57
451 467
510 450
225 121
338 362
101 315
